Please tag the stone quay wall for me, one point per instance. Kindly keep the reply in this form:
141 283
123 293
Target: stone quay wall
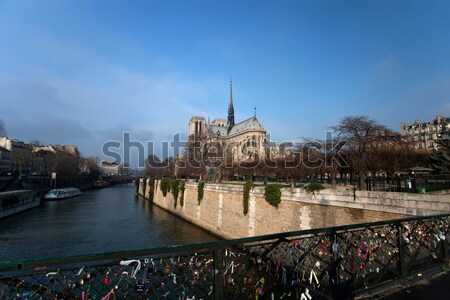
221 210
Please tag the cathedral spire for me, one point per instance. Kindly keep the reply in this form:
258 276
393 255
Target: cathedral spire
230 122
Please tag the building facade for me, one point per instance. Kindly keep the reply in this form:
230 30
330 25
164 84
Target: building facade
44 160
30 159
424 134
20 155
109 168
5 161
241 141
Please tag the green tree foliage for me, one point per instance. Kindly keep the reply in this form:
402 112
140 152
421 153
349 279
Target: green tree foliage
313 187
439 160
273 194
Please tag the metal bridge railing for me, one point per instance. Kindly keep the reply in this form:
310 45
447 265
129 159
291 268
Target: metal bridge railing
329 263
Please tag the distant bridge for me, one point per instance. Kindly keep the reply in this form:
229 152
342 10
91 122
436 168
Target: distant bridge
118 179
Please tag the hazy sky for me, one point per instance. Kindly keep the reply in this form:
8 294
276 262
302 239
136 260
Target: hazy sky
84 72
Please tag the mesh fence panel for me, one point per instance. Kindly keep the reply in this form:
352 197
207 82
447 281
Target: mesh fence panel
326 263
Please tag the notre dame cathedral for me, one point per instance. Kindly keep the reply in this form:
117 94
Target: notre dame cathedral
245 140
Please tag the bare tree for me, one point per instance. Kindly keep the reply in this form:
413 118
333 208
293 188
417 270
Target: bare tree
3 131
168 167
153 166
36 143
193 158
363 136
90 166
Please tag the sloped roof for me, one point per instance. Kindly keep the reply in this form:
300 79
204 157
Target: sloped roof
420 170
249 124
48 148
219 130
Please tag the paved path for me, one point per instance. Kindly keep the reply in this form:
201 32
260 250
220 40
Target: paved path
435 288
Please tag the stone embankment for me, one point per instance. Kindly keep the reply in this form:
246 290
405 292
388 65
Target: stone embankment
221 209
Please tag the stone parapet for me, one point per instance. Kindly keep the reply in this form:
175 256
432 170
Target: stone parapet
221 210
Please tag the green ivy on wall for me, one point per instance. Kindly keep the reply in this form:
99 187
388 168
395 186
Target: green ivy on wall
182 188
144 181
165 186
273 194
200 188
246 195
136 183
151 192
174 188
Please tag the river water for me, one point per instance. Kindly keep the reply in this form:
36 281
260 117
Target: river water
110 219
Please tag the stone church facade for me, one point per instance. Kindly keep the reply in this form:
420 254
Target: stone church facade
244 141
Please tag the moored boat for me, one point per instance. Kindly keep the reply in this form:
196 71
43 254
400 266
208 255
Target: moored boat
13 202
65 193
101 184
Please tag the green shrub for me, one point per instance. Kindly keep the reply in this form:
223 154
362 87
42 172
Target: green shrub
182 188
313 187
165 186
174 188
201 186
246 195
273 194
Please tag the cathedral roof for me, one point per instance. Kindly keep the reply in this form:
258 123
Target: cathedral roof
249 124
218 130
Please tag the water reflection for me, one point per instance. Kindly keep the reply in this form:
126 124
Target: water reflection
106 220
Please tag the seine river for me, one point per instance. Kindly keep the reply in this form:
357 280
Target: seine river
110 219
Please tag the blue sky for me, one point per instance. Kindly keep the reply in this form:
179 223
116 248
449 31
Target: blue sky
84 72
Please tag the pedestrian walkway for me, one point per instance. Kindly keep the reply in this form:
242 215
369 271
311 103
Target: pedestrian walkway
435 288
425 288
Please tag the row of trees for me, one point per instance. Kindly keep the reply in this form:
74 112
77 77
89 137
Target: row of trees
356 146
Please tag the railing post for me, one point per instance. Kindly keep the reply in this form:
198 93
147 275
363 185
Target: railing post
401 252
218 273
445 249
334 270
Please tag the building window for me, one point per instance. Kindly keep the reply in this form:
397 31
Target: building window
420 146
431 145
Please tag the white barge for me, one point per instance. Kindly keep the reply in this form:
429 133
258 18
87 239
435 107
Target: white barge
13 202
59 194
